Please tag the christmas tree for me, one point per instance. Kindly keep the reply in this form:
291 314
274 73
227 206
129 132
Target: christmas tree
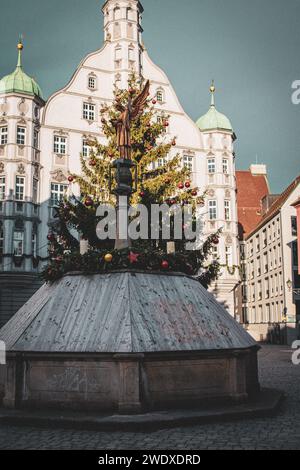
161 179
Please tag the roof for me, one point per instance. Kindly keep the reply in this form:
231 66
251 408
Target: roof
123 312
277 205
296 203
251 189
213 120
19 82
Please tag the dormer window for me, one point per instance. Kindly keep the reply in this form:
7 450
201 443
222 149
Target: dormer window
160 96
92 82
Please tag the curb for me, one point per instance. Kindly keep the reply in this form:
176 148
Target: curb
266 404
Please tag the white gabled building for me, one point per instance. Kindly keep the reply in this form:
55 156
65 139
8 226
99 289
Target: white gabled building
72 115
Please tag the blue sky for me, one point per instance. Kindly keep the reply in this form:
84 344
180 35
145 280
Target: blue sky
251 49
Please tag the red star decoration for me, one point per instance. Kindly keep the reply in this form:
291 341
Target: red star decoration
133 257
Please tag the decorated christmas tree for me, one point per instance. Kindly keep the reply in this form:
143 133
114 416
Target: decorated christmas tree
159 178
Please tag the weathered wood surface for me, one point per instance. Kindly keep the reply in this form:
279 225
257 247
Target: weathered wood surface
123 312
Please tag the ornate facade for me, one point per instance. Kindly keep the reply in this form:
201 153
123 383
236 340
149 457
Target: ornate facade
41 144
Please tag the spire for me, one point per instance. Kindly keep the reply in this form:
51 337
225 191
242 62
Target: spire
212 90
20 48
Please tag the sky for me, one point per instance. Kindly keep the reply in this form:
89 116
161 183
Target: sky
250 48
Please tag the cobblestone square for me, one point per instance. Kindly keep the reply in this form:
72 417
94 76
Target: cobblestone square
279 432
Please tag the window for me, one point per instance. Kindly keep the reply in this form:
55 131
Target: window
212 210
294 226
227 210
18 243
228 255
225 166
214 253
188 162
89 111
35 185
92 82
1 240
20 188
2 188
57 193
35 139
117 13
86 149
162 120
3 135
60 145
118 53
21 133
34 244
161 162
131 53
211 165
160 96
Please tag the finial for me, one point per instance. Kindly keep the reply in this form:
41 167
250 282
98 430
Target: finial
212 90
20 48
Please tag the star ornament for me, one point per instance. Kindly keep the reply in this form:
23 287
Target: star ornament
133 257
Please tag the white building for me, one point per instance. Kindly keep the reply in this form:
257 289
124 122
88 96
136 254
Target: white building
39 151
272 283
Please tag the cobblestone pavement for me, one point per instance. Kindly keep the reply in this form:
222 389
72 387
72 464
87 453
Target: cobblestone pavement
279 432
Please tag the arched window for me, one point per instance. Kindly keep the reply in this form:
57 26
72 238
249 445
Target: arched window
92 82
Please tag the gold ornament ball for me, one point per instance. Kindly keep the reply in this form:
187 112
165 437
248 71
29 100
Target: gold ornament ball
20 46
108 258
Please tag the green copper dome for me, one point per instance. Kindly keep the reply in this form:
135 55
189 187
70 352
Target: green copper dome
19 81
213 120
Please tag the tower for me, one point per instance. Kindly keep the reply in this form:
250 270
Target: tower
21 101
221 210
123 30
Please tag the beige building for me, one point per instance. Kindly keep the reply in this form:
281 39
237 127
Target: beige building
271 283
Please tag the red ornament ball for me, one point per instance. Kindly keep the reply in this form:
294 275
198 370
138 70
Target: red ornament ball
187 184
51 237
174 142
142 194
194 192
166 124
180 185
92 162
165 264
131 91
216 241
88 202
154 101
71 179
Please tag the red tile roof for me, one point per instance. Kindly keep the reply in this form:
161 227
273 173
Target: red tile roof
250 191
277 205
